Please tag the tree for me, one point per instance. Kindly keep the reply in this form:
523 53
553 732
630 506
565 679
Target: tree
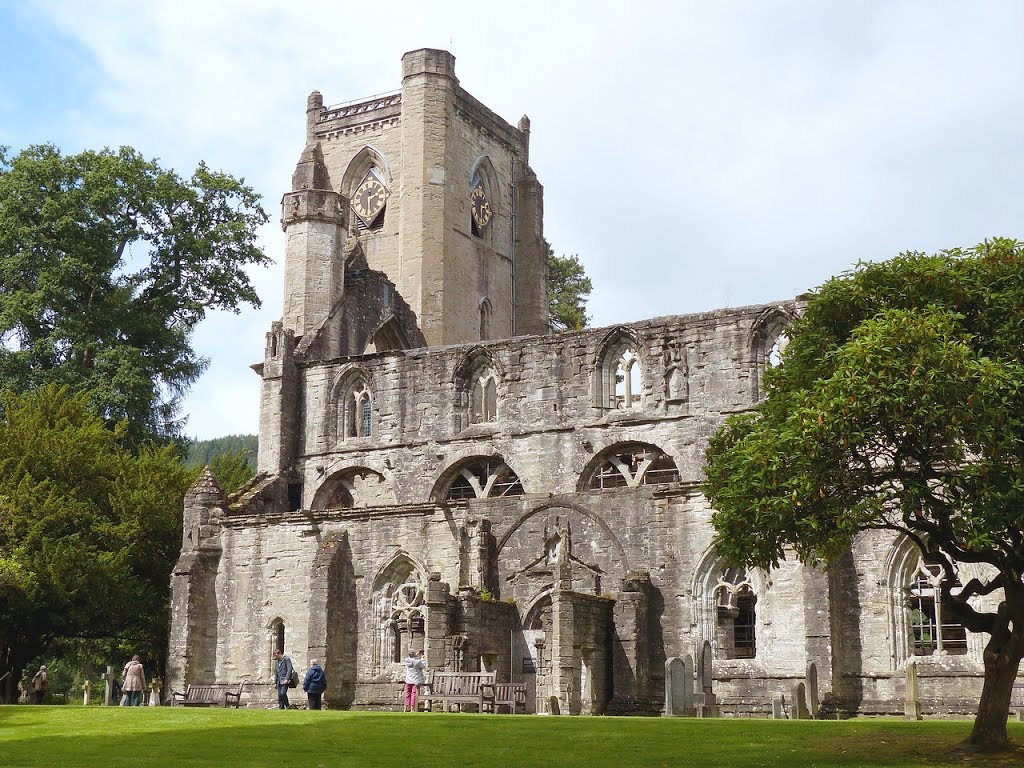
89 530
568 291
231 470
898 406
107 263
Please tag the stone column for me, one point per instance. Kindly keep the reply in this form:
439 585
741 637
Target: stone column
630 671
565 670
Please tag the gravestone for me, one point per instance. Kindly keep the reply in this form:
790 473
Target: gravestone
679 687
705 702
812 690
108 689
912 703
798 711
154 696
86 693
779 708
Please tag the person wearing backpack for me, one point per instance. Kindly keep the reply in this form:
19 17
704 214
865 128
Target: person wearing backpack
283 673
314 684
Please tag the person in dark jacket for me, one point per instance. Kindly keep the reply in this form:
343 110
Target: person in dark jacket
314 684
282 674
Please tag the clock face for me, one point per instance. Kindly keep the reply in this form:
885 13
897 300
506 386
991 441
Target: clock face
482 212
369 198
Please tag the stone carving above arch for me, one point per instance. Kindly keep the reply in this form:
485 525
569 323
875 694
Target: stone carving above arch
558 545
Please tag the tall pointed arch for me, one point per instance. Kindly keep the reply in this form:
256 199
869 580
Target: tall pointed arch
767 343
350 408
619 379
367 184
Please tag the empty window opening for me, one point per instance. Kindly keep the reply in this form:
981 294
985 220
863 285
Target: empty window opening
488 478
931 632
626 381
633 464
736 633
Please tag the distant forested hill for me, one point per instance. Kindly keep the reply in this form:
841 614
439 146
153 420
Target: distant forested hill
202 452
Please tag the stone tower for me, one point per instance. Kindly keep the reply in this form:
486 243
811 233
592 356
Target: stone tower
435 191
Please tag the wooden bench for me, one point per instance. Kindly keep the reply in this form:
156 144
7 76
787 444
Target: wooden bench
209 695
511 695
456 688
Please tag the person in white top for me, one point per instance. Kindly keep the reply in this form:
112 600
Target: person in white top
414 666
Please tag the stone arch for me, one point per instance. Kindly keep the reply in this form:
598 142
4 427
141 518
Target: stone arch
619 377
353 488
398 613
766 343
619 549
725 606
389 336
477 476
350 406
628 465
917 627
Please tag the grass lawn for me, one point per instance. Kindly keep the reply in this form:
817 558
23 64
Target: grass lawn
112 737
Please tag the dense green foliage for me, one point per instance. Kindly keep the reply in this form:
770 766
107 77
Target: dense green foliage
899 405
107 263
202 452
568 291
172 737
90 526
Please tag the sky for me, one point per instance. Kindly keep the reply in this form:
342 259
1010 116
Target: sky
695 155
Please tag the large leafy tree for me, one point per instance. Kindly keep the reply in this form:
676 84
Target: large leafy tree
898 406
107 263
90 527
568 291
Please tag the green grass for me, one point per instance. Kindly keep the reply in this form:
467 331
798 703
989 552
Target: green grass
112 737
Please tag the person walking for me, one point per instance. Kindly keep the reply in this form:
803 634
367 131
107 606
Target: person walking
414 666
39 685
134 677
283 671
314 684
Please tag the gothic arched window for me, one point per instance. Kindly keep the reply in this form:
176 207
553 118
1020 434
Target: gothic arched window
930 631
736 637
619 373
628 465
480 478
355 406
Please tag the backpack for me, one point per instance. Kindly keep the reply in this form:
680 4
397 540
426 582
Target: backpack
293 681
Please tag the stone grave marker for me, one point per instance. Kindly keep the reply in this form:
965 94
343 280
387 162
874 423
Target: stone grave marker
798 710
912 703
813 704
705 702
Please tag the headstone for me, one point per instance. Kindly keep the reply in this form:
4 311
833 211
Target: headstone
679 687
798 710
779 708
108 690
705 703
86 693
688 705
154 696
812 690
912 704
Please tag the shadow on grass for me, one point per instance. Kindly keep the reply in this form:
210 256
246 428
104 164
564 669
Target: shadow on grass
112 738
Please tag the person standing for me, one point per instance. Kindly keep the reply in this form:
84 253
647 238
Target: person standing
314 684
414 666
39 685
134 682
283 671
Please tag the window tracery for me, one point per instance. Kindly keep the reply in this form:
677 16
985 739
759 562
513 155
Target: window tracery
633 464
399 613
482 479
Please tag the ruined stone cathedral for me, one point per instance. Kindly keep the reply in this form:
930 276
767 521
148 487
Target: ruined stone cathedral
438 471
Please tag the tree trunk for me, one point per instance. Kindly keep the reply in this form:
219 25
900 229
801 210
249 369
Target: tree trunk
1001 664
